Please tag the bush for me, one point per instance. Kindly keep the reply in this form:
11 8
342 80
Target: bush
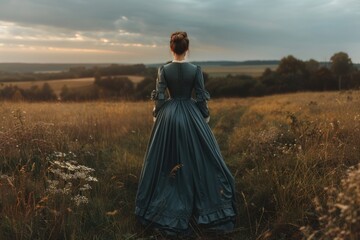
340 217
230 86
115 87
144 88
34 93
80 94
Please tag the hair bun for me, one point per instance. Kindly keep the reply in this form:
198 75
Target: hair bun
178 36
179 42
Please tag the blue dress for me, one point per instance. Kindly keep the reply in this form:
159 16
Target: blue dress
184 179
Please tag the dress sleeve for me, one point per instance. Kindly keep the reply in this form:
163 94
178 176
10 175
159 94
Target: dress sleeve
202 96
158 95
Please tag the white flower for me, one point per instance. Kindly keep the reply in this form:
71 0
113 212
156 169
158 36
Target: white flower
85 187
59 154
91 179
79 199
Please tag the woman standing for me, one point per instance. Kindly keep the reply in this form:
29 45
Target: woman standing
184 180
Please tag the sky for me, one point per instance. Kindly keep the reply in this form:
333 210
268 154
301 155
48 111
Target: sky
138 31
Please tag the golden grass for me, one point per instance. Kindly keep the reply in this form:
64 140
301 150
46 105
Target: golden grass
57 85
282 149
251 70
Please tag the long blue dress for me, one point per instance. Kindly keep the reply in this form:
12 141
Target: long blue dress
184 177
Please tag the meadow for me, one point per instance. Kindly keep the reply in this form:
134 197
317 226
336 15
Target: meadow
70 170
250 70
57 85
80 83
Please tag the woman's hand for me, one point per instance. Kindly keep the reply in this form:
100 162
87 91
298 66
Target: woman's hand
207 119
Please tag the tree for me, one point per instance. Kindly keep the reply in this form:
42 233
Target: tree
97 77
8 91
116 87
267 72
64 92
144 88
341 65
325 80
292 74
17 96
290 65
47 93
312 66
311 82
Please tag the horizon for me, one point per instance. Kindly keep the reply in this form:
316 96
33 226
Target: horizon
43 31
153 63
189 60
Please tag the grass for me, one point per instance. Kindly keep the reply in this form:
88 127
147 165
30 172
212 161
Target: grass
251 70
282 149
57 85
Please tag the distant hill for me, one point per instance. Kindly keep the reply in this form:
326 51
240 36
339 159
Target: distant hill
241 63
227 63
44 67
237 63
58 67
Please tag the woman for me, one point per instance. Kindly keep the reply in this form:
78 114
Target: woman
184 181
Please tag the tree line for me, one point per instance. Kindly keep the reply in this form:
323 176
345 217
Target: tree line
291 75
75 72
109 84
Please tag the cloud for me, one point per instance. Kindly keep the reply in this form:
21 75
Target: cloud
218 29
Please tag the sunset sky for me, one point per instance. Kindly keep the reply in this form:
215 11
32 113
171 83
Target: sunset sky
137 31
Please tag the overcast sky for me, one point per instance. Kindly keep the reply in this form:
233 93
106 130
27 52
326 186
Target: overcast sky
137 31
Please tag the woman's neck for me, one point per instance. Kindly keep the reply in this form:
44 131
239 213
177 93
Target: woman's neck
179 57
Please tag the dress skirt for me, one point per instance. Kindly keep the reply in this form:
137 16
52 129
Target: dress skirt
184 177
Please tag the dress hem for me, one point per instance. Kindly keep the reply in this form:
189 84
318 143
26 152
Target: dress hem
215 218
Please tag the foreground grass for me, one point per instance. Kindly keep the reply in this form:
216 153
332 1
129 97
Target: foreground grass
283 150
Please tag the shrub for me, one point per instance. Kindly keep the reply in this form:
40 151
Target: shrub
340 217
115 87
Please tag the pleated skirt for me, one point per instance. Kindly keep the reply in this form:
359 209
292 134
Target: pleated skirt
184 177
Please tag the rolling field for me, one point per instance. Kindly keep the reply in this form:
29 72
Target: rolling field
283 151
251 70
213 71
70 83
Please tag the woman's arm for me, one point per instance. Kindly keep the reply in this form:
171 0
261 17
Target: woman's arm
158 95
202 96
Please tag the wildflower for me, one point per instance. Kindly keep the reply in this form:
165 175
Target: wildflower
79 199
80 175
59 154
71 167
91 179
69 178
85 187
341 217
113 213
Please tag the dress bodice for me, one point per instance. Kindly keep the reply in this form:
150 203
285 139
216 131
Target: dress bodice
180 78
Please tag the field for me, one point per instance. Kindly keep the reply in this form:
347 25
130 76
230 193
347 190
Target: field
283 150
57 85
251 70
79 84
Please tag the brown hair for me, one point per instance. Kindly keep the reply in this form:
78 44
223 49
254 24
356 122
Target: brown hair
179 42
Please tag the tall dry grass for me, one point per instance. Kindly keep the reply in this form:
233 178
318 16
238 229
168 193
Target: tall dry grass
107 137
283 150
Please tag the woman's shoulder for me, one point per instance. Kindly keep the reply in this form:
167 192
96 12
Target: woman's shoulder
173 68
187 65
